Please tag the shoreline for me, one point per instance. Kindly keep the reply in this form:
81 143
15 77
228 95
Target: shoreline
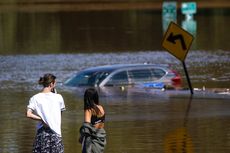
98 6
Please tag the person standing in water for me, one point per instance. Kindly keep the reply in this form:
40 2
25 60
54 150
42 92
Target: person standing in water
92 132
46 107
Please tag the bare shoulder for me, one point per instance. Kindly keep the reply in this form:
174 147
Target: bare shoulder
101 109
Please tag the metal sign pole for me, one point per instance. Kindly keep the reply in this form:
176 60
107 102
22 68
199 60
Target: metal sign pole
187 76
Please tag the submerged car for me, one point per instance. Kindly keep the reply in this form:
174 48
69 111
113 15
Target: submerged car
146 75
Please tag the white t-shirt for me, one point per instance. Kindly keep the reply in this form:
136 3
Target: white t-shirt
49 107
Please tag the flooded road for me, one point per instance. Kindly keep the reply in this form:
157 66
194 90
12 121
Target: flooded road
206 68
138 121
105 31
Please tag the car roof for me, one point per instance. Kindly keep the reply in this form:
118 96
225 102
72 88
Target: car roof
123 66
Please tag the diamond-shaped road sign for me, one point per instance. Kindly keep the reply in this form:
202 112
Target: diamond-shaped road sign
177 41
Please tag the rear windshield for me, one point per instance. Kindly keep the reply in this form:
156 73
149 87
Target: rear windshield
90 78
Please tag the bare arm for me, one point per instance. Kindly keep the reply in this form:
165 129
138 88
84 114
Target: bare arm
31 115
87 116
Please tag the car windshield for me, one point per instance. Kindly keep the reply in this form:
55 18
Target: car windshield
89 78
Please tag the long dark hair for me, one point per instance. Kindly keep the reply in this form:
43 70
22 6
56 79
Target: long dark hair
91 99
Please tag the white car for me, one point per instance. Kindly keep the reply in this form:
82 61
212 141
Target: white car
148 75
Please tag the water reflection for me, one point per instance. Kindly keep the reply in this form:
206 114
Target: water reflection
152 123
189 10
104 31
169 14
139 122
179 140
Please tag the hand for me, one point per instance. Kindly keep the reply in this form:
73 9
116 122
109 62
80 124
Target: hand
33 116
44 124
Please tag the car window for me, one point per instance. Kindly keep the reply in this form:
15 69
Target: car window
80 79
87 79
119 78
100 77
141 75
157 73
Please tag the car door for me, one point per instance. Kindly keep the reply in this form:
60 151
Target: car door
118 79
138 76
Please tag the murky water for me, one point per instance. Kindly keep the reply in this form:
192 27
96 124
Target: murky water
105 31
139 121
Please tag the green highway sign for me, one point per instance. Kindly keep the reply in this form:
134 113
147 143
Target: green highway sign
188 8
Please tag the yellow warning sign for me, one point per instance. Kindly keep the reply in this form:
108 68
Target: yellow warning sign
177 41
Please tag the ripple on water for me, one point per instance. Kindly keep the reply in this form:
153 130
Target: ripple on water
19 70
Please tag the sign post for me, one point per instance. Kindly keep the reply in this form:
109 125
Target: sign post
187 76
177 41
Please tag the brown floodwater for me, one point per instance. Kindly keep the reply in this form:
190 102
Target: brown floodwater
159 122
137 120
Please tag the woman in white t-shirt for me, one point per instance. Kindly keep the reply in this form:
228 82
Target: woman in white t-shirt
46 107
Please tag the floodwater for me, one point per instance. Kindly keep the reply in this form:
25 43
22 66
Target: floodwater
137 121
